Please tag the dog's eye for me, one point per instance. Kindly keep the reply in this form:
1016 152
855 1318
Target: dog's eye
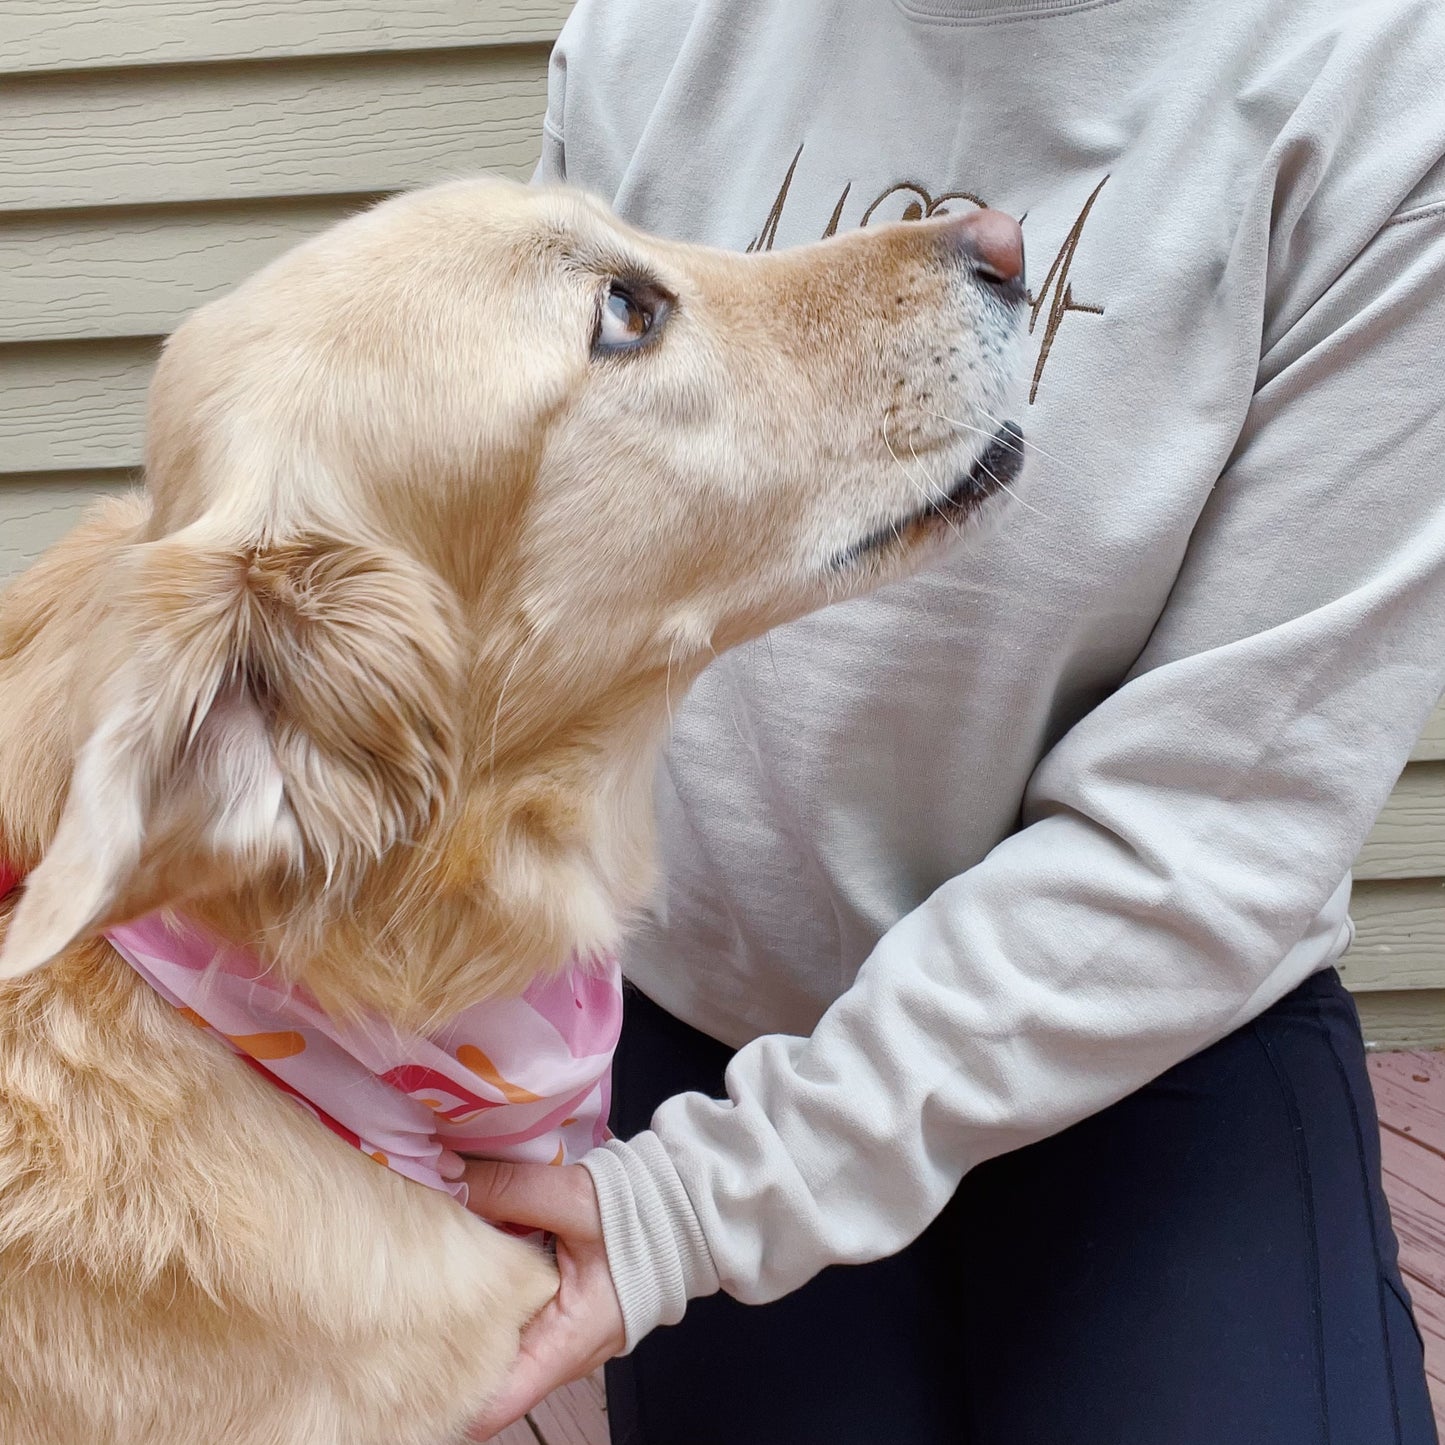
625 321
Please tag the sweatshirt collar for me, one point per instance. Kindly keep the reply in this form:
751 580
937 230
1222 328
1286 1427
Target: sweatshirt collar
990 12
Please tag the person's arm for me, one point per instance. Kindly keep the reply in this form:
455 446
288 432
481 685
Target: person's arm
552 163
626 49
1177 843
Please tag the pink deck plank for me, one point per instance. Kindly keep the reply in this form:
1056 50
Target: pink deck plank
1430 1316
518 1434
574 1415
1410 1096
1410 1093
1429 1306
1415 1184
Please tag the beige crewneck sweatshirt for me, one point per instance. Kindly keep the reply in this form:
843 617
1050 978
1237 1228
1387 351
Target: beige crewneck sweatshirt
959 864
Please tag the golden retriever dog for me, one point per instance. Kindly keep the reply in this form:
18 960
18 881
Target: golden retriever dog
443 509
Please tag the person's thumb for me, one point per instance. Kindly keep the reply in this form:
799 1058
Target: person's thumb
560 1200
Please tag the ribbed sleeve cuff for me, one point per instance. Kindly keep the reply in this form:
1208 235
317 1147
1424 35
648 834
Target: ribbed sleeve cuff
655 1246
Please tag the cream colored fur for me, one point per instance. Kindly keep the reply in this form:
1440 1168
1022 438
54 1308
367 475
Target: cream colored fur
372 680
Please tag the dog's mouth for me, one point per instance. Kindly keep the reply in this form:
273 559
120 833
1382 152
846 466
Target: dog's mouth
996 468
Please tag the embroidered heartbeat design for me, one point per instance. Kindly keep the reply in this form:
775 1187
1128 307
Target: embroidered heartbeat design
1063 289
1055 299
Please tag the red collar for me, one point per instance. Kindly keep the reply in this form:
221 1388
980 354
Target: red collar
9 878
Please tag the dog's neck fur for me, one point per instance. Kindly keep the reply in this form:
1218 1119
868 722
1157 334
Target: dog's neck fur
538 855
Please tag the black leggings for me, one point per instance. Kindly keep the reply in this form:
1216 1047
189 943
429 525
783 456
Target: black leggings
1208 1262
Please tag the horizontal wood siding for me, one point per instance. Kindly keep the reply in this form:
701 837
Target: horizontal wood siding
1409 839
37 510
100 275
71 405
154 152
1404 1019
1399 936
1432 742
199 133
54 35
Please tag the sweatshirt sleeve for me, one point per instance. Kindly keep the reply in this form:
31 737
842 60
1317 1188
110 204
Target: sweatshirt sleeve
611 61
552 163
1177 844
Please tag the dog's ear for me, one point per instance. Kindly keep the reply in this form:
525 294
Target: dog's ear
289 708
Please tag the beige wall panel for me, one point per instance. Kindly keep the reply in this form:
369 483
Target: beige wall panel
138 273
1410 1019
1409 839
37 511
1399 936
68 34
72 407
1431 746
283 128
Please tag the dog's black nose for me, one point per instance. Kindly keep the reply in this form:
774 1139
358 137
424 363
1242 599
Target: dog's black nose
992 244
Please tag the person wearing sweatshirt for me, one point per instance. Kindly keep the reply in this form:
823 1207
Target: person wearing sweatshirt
994 957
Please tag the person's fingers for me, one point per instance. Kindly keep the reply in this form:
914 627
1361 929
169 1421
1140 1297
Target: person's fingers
549 1359
451 1166
582 1326
527 1386
559 1199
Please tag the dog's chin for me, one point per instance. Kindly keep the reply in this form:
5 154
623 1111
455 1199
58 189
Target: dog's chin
993 471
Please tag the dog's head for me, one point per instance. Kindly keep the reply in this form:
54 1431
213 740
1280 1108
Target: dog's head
448 506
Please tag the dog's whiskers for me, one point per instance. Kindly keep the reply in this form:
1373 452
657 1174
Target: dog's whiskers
1018 451
772 658
1004 487
667 681
965 426
940 491
1029 442
932 498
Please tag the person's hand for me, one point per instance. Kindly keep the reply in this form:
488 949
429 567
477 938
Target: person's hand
581 1326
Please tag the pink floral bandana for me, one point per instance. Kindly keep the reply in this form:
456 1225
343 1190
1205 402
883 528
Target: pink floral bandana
520 1079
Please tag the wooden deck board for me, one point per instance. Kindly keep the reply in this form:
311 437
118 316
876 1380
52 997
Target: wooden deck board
1410 1093
1419 1217
519 1434
573 1415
